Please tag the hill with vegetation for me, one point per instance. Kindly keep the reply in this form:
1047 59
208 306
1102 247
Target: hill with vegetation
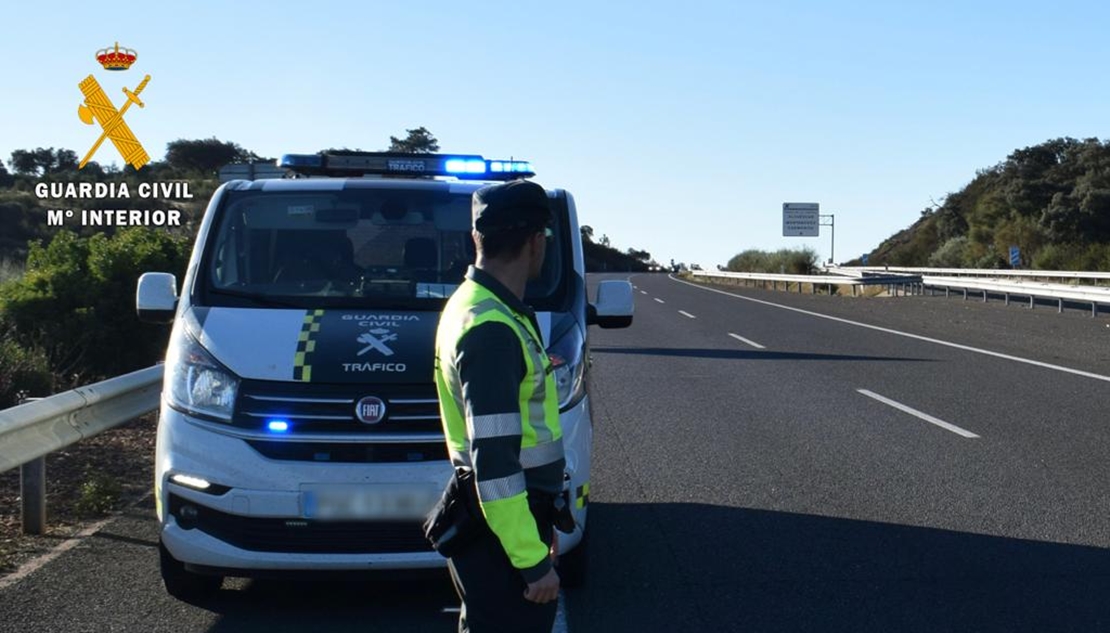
1051 200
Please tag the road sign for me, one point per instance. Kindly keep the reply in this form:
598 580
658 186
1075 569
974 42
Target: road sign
1015 256
864 258
801 219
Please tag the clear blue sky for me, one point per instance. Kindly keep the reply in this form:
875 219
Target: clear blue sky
680 127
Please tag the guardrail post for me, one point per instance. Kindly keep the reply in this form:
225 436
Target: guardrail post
965 294
947 291
1094 309
984 296
1060 307
32 491
1007 297
1032 302
32 484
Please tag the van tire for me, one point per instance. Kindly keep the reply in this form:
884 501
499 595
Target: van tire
182 583
574 565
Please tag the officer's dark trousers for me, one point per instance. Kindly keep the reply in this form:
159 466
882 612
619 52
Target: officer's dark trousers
492 590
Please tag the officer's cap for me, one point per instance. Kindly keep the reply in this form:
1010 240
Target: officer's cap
517 204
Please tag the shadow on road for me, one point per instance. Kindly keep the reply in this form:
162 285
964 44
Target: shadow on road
729 354
693 567
428 603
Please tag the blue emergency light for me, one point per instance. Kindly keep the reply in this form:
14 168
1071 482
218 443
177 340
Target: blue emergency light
277 426
354 164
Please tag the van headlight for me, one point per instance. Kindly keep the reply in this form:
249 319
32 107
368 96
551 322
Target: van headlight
568 362
195 383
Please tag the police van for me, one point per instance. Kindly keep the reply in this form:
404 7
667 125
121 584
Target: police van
299 429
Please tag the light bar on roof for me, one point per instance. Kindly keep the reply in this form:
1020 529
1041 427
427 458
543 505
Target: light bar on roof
355 164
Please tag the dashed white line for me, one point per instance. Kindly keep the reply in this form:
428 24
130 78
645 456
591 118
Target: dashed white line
686 314
967 348
748 341
643 292
659 300
918 414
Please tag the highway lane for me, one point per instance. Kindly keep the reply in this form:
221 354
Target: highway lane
756 489
744 488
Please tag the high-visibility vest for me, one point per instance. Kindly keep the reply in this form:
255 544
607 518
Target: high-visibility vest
504 500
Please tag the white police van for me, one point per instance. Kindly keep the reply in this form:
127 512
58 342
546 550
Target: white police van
299 428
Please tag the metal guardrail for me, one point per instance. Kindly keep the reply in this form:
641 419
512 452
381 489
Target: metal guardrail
855 281
973 272
30 431
916 284
1094 295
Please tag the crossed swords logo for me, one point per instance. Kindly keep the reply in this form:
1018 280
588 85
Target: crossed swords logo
99 107
374 339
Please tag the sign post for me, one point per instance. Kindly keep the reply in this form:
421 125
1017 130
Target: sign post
803 219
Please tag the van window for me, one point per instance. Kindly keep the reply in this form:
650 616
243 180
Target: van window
356 247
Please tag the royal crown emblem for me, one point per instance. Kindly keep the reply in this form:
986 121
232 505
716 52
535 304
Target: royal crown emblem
116 58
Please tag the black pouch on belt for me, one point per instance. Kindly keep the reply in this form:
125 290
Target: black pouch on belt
457 519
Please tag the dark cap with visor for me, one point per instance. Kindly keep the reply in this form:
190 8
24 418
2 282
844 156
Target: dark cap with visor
517 204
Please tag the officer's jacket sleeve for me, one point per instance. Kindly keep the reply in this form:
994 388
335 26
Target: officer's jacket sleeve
491 368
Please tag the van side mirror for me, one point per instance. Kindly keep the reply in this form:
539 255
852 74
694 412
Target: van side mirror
614 305
156 297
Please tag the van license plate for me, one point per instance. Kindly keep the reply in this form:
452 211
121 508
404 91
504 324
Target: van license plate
355 503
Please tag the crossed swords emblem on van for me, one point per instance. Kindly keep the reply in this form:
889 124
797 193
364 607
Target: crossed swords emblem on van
377 339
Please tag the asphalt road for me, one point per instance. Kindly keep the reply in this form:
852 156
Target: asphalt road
759 467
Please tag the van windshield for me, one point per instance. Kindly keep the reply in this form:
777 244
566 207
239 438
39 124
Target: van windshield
395 248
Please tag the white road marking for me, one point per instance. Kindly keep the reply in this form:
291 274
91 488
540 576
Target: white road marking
748 341
643 292
914 412
686 314
659 300
967 348
560 625
35 564
560 615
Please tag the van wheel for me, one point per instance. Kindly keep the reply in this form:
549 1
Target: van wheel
574 564
183 584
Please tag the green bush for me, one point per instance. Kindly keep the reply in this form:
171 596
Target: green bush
23 372
76 301
802 261
99 494
953 254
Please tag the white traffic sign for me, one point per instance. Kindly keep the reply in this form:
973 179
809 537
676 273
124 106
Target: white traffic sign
801 219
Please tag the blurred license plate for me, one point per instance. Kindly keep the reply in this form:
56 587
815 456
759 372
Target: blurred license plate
356 502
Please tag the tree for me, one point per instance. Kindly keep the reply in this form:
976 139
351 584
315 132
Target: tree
42 161
604 241
206 155
587 233
418 141
6 179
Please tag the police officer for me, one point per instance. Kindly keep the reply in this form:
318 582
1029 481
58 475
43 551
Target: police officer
501 416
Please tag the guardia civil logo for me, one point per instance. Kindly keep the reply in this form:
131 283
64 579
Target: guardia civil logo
98 109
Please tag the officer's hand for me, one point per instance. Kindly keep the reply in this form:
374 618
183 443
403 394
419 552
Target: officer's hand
543 590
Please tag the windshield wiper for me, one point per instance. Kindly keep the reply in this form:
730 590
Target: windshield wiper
259 299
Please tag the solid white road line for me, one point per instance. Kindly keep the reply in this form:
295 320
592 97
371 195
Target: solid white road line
35 564
659 300
560 625
914 412
967 348
686 314
560 615
744 340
